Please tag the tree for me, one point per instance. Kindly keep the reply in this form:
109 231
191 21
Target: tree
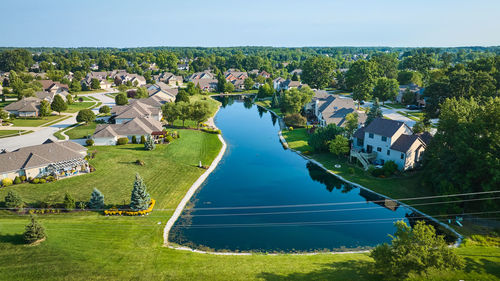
410 77
75 86
221 82
386 64
69 99
361 75
58 104
351 121
171 112
375 112
200 111
140 198
249 83
34 231
265 90
104 109
339 145
121 99
96 200
141 93
149 144
416 250
17 59
44 108
274 102
229 87
420 127
184 110
13 200
182 96
95 84
85 115
294 100
362 92
318 71
295 120
69 202
386 89
4 115
295 77
192 89
408 97
322 136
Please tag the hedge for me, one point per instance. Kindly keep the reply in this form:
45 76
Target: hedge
122 141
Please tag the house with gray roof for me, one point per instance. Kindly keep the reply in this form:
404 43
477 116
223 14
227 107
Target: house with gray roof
58 159
27 107
108 134
384 139
146 108
328 109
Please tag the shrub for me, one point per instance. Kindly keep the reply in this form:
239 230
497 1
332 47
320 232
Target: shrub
69 202
17 180
50 178
140 162
390 167
23 178
104 109
35 181
96 201
211 131
85 115
122 141
13 200
351 171
43 181
89 142
377 172
34 232
143 139
321 136
134 139
169 138
149 144
6 182
295 120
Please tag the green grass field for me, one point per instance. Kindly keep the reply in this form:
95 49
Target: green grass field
267 104
77 106
36 122
81 131
12 133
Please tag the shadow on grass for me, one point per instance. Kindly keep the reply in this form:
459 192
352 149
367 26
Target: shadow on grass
14 239
133 148
347 270
483 265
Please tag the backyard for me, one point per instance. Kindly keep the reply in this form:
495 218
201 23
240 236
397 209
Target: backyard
82 131
39 121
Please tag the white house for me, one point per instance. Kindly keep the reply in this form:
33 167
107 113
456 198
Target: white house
383 140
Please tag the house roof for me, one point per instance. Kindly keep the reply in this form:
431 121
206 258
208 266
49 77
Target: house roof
426 137
26 104
334 108
384 127
404 142
136 126
360 133
40 155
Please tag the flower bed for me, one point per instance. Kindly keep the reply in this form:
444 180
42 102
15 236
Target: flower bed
116 212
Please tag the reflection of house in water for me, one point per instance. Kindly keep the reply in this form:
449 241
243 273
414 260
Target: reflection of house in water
330 181
379 200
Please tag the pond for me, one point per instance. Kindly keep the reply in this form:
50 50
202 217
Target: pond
262 197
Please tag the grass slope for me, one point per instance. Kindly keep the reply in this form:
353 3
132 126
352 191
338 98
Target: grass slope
81 131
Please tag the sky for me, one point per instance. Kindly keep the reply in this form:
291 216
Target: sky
221 23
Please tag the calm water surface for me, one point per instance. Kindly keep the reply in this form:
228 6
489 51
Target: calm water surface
259 197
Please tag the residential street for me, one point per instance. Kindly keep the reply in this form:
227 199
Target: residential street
41 134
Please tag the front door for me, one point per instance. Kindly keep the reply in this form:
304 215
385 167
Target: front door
369 149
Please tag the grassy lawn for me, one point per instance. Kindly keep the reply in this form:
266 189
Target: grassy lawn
267 104
36 122
77 106
413 116
82 93
5 103
12 133
395 105
297 139
81 131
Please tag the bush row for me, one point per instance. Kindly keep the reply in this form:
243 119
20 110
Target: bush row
211 131
116 212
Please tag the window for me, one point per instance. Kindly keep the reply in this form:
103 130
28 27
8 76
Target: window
370 135
388 152
384 138
402 155
379 149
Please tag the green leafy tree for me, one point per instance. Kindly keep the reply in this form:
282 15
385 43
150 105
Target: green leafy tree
121 99
58 104
200 111
318 71
265 90
410 77
321 137
75 86
294 100
141 93
408 97
375 112
140 198
229 88
104 109
69 202
414 250
96 201
149 144
191 89
85 115
361 74
386 64
386 89
95 84
34 231
221 82
339 145
13 200
184 110
249 83
44 108
362 92
171 112
182 96
351 123
295 120
4 115
69 99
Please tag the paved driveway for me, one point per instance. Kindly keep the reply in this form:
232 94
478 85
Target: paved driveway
41 134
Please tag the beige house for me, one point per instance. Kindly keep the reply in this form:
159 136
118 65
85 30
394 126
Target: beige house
58 159
108 134
27 107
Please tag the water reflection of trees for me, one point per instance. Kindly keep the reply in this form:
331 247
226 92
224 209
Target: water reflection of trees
247 102
261 111
274 119
330 181
225 101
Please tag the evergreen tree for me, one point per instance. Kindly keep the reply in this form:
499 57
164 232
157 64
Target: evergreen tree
44 108
34 231
96 200
375 112
275 103
69 202
13 200
58 104
150 143
140 198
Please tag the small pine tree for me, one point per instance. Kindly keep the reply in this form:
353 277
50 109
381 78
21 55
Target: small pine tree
140 198
96 200
13 200
134 139
69 202
275 103
143 139
149 144
34 231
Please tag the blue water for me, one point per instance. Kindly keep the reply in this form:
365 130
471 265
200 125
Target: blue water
258 174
